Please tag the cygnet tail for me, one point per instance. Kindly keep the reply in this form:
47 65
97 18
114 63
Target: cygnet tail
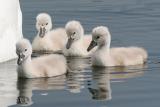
143 53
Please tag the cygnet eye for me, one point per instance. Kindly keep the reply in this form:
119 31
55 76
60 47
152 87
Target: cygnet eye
25 50
46 23
97 37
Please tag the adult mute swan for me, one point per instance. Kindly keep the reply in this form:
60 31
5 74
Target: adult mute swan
8 81
48 39
10 28
43 66
121 56
77 41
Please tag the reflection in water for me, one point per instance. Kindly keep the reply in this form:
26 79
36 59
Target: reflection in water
101 82
102 77
26 86
121 73
75 82
78 64
8 79
21 91
75 76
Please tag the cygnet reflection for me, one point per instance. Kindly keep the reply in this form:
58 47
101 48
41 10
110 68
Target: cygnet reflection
100 88
103 76
119 74
75 82
78 64
26 86
76 73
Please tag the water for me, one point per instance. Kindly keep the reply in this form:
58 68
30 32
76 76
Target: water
131 22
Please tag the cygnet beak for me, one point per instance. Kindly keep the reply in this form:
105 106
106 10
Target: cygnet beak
20 59
42 32
69 43
92 45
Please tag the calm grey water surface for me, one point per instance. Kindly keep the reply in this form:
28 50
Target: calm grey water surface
131 22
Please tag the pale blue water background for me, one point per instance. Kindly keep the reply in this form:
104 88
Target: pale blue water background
131 22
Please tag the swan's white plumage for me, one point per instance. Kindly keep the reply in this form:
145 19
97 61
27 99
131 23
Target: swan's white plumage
80 42
121 56
10 29
53 40
44 66
8 81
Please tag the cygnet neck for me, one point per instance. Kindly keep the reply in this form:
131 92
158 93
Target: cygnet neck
81 37
27 60
105 47
107 43
81 32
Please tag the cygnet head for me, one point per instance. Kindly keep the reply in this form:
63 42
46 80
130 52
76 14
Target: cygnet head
43 24
100 37
23 50
74 32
